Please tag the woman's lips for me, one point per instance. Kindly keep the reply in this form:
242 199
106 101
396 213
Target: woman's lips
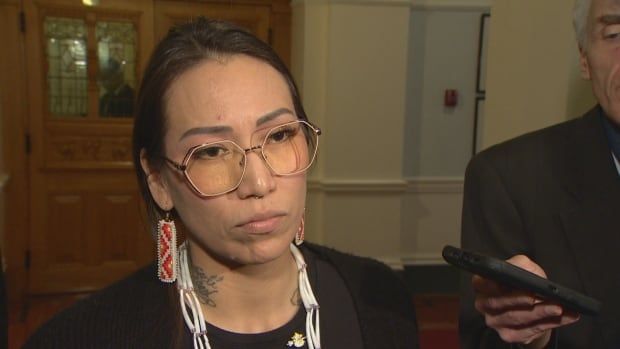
262 224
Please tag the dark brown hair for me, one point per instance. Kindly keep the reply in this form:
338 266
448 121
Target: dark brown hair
184 47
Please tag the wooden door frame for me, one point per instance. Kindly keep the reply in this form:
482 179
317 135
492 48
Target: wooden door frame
15 227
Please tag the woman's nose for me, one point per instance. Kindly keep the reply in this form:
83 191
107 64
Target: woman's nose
258 179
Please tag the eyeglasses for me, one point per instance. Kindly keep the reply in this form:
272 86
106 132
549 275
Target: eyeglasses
217 168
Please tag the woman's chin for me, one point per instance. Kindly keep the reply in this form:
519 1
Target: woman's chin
254 250
265 250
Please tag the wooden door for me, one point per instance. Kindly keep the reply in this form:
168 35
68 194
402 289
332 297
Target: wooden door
84 63
269 20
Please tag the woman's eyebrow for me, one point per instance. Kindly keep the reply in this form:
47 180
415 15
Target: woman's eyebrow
273 115
206 130
227 129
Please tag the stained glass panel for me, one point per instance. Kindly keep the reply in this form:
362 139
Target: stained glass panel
67 66
116 49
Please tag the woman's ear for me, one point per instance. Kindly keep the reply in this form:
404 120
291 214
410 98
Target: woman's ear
157 184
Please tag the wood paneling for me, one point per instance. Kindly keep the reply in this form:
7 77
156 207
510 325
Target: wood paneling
90 233
268 20
253 17
14 125
66 213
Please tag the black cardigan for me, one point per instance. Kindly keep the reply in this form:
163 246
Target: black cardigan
141 312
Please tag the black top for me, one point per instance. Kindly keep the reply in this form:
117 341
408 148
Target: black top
553 196
282 337
336 309
363 305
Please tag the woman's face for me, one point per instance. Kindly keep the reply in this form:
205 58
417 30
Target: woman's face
232 99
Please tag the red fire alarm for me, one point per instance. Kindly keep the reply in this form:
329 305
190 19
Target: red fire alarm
450 98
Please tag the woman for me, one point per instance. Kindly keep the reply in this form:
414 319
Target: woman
221 145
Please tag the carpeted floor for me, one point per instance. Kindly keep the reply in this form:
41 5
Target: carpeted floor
439 339
437 320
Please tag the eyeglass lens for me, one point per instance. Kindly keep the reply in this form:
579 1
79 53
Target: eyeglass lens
216 168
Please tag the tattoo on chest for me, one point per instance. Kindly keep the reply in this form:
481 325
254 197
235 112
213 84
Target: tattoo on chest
205 285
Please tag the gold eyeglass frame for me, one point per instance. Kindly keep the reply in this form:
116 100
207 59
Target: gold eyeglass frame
182 167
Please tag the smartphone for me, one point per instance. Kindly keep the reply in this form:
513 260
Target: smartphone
513 276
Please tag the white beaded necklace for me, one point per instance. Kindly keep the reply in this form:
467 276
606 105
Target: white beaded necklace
195 319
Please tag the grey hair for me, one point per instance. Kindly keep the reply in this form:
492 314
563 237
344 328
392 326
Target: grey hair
581 12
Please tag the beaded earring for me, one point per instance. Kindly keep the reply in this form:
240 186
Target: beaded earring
166 250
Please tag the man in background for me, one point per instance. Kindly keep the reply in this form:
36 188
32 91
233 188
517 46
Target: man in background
549 202
118 98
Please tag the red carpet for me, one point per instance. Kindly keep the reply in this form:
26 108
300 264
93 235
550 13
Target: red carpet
439 339
437 320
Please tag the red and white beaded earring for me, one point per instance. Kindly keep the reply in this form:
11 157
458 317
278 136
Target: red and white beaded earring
167 250
299 237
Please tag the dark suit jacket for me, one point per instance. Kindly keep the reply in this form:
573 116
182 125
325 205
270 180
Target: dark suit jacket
117 103
553 195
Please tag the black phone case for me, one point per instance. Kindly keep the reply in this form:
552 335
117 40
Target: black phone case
513 276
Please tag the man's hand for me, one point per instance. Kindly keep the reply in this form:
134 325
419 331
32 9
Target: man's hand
518 316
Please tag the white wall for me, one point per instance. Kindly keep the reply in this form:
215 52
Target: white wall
432 219
356 62
443 54
533 79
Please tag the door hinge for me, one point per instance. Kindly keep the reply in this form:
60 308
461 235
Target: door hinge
27 259
22 21
27 143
